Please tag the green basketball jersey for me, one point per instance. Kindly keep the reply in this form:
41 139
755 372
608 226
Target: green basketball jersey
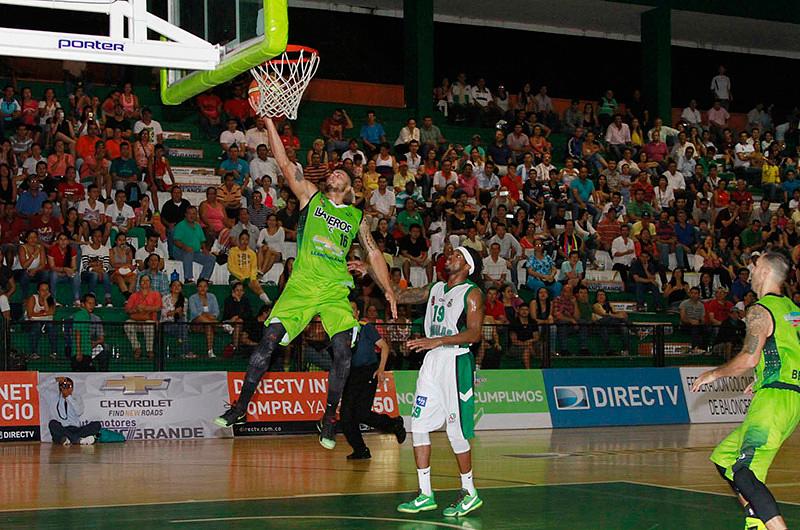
779 366
325 232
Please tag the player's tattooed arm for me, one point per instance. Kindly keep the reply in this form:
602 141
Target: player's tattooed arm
412 295
759 328
376 262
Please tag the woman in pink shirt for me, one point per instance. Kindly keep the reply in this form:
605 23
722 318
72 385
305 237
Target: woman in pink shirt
142 307
468 182
58 162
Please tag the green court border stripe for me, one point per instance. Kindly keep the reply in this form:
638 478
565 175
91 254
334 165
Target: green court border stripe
692 490
299 496
306 517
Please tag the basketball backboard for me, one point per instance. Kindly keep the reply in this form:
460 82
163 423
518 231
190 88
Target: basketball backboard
247 33
198 44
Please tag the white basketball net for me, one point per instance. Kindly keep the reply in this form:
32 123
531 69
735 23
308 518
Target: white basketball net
282 82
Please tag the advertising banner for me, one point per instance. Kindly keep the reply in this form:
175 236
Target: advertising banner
292 402
722 401
141 406
19 407
504 399
624 396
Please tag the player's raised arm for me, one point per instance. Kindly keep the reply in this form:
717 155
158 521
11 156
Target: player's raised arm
301 188
410 295
377 263
759 327
469 336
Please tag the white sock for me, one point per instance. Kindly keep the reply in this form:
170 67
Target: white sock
424 476
264 298
466 482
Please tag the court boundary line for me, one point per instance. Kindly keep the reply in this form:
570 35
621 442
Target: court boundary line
298 496
304 517
692 490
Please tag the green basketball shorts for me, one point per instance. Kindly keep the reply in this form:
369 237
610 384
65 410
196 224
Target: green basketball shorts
772 417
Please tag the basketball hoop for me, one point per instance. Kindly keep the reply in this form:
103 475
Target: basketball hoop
279 83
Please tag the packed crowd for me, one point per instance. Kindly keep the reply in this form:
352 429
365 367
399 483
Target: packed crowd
649 201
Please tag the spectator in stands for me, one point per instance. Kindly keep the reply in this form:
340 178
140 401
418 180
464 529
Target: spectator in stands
270 244
243 266
692 316
333 128
623 252
316 172
691 115
173 318
96 168
237 166
372 134
32 262
257 211
382 202
289 217
261 164
495 268
10 111
46 225
431 137
204 314
542 271
236 314
130 102
618 136
39 311
717 120
721 88
565 314
604 316
150 247
210 114
213 217
147 123
288 138
256 137
232 136
238 108
159 281
189 242
789 185
741 285
718 310
245 226
63 264
125 173
414 251
85 146
408 133
120 214
123 269
173 212
118 121
59 161
142 308
643 272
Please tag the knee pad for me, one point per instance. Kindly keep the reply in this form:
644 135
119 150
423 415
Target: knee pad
459 446
421 438
756 493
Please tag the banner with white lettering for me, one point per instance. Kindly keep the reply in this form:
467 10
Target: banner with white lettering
292 402
141 406
615 396
19 407
722 401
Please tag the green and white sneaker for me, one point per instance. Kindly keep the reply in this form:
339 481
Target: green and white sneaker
753 523
423 503
464 504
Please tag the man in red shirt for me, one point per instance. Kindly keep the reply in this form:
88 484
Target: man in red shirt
46 225
210 107
96 167
718 309
493 307
239 108
12 227
333 128
741 195
85 144
63 262
70 192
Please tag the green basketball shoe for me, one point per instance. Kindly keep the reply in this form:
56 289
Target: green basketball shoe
753 523
423 503
464 504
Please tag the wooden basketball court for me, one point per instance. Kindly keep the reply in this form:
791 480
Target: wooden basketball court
655 477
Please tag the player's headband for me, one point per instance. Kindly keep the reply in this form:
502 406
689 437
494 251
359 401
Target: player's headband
467 258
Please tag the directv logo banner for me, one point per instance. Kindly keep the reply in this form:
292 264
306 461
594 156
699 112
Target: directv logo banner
627 396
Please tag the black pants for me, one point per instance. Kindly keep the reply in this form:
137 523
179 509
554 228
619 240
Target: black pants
359 393
74 434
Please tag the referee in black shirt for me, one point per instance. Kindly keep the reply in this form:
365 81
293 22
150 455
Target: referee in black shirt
366 371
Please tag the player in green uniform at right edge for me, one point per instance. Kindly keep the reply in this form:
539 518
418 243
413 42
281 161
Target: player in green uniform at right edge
320 285
772 349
